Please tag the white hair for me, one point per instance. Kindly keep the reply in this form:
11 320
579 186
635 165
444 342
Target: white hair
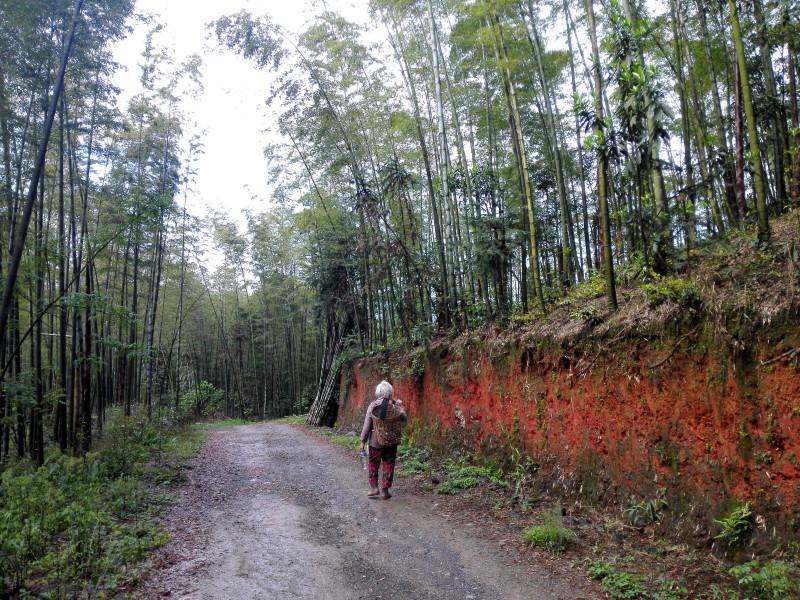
384 389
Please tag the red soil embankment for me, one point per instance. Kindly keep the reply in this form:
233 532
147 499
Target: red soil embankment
707 429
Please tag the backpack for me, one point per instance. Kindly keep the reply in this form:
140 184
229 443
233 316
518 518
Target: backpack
387 420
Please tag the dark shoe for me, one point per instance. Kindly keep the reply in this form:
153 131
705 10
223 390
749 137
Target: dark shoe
385 495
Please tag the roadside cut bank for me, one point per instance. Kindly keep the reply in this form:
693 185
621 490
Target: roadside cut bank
689 393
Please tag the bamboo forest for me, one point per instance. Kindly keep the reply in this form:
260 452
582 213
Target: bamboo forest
437 170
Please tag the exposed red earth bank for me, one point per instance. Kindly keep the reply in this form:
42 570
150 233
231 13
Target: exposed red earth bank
696 427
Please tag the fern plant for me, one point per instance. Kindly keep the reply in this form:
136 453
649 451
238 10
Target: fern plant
736 526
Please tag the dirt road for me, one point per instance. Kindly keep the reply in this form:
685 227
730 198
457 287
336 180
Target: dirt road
274 512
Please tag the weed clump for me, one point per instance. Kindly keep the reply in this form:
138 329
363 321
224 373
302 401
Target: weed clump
460 476
647 511
551 534
617 584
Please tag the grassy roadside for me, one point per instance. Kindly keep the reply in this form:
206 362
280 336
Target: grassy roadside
205 426
618 550
293 420
351 442
81 525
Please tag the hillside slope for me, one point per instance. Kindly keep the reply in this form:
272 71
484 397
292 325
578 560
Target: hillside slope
690 391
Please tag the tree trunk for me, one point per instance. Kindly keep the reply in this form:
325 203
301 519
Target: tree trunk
579 143
602 168
741 205
752 132
515 121
22 232
444 160
795 190
776 115
61 409
567 247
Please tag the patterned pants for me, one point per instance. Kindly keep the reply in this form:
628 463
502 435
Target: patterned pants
387 456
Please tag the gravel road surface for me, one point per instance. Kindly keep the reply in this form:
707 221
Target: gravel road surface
272 511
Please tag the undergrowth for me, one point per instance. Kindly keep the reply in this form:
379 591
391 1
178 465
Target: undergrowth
620 585
413 459
648 511
79 523
459 475
351 441
514 478
679 290
772 580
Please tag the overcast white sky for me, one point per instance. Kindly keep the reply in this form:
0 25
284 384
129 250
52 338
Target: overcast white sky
236 124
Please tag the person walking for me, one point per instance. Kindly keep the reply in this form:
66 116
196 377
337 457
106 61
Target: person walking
382 430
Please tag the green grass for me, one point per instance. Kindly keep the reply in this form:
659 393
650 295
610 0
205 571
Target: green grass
293 419
453 486
351 442
551 534
220 424
81 522
184 445
169 465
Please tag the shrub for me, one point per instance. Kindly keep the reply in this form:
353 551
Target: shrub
205 401
672 289
305 399
551 534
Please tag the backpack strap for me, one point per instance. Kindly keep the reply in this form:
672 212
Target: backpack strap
384 407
